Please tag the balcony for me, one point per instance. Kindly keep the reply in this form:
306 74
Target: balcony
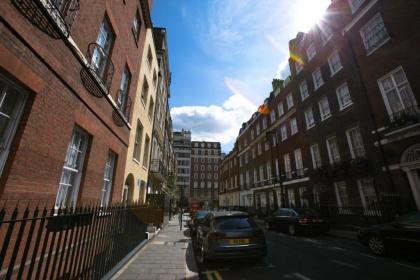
405 117
98 72
121 115
53 17
158 168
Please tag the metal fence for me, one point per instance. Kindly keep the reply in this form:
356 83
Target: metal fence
87 242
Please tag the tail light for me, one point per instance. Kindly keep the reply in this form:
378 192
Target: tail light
303 221
216 235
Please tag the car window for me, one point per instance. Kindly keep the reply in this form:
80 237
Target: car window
412 218
306 212
284 212
201 214
235 223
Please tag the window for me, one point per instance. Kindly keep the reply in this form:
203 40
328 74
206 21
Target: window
293 126
136 26
298 67
108 176
72 170
334 63
283 131
144 91
324 108
311 52
397 94
151 108
298 162
252 134
202 184
341 194
374 34
287 166
259 150
291 197
246 158
123 92
355 5
253 152
332 147
309 118
317 78
280 108
316 156
303 198
343 96
261 173
367 192
273 116
215 168
269 175
105 41
203 176
195 183
255 176
247 177
326 33
266 146
215 176
209 168
258 129
203 168
146 151
264 123
354 138
149 58
209 176
289 100
303 90
137 141
12 102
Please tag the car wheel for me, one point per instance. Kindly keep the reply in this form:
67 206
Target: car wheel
292 229
376 245
200 255
267 226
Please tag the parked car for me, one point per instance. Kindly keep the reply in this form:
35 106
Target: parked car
401 234
196 220
229 235
297 220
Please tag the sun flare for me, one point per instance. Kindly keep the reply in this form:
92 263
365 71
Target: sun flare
308 12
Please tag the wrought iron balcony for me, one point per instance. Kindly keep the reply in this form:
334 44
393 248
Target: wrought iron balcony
54 17
98 73
157 167
122 114
405 117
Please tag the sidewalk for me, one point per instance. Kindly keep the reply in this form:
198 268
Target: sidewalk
169 255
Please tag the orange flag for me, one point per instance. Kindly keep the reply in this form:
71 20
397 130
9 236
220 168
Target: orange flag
263 109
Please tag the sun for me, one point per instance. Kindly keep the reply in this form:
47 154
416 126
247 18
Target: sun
306 13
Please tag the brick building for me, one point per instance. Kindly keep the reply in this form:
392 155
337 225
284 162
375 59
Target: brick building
67 76
204 183
228 180
343 129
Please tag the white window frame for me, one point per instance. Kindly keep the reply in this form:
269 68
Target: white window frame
108 178
331 63
355 151
340 201
324 115
386 38
280 108
363 184
293 126
289 100
298 162
298 67
333 158
316 85
338 91
316 156
311 52
273 116
310 123
355 5
303 88
283 131
287 166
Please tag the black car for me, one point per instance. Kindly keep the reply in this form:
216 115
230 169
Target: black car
401 234
297 220
229 235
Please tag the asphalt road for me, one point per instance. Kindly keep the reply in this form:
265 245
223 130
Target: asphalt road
315 258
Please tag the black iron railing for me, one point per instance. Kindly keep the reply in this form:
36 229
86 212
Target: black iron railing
98 73
407 116
122 114
54 17
83 243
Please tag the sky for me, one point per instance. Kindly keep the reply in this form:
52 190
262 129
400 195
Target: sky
223 56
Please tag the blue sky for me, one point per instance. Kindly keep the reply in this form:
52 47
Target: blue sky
223 56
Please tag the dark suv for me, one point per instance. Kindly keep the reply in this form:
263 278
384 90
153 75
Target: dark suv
229 235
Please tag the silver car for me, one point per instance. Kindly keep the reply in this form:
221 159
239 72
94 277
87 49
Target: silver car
229 235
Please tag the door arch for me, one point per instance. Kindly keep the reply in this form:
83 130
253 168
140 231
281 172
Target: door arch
410 164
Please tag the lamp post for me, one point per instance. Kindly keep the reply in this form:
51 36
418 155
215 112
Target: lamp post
268 137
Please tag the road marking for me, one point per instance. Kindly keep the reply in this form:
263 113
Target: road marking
217 275
208 274
345 264
369 256
337 248
300 276
409 266
311 240
264 266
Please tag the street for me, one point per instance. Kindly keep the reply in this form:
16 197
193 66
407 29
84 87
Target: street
314 257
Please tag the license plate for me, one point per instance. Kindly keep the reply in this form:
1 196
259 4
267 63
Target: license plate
238 241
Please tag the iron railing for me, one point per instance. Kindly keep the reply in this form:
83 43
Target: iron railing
82 243
407 116
97 77
54 17
122 114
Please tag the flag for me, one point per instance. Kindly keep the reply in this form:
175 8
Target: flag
263 109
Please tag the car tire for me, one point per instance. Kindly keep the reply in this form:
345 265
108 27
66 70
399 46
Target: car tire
291 229
376 245
200 255
267 226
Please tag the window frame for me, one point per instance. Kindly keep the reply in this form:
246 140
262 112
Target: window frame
316 86
330 64
372 49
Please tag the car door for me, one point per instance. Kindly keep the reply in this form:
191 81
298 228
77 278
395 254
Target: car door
283 218
275 218
408 230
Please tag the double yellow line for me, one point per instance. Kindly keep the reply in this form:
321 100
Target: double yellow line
212 275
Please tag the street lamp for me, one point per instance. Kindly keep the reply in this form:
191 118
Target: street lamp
268 137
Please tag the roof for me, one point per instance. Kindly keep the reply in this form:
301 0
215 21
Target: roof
221 214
